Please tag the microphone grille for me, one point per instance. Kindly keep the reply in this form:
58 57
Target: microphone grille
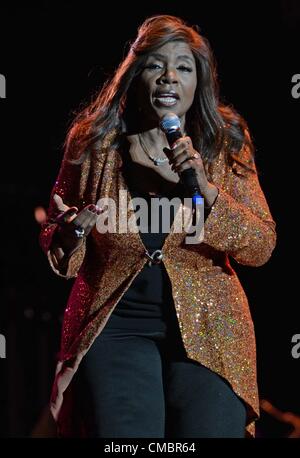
169 123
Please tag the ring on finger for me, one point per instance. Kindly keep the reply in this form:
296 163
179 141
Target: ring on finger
79 232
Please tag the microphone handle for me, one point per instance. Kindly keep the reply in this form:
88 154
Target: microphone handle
188 176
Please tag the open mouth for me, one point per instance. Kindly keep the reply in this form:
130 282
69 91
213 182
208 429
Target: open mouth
167 99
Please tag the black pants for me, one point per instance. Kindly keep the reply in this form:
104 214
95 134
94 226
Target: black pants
135 384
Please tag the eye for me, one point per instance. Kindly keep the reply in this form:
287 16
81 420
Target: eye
185 68
153 66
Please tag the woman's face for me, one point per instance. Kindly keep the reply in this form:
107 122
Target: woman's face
168 82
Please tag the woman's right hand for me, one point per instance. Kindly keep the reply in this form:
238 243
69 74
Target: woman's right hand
69 220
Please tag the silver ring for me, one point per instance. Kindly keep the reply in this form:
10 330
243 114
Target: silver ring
79 232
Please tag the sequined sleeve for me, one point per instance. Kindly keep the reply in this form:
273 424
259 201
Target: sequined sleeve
68 187
240 222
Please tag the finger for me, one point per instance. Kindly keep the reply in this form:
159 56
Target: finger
67 216
185 141
185 165
90 225
83 221
175 158
86 215
179 147
60 204
72 217
94 219
195 164
179 159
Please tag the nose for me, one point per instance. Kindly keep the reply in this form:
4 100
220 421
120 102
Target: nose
169 76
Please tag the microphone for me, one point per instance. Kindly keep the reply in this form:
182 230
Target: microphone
170 125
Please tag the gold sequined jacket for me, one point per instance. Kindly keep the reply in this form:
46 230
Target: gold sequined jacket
211 306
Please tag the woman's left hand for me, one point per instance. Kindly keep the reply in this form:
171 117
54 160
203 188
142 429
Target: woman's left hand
183 156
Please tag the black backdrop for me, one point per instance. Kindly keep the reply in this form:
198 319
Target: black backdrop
54 56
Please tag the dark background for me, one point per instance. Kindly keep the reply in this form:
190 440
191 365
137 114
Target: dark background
54 56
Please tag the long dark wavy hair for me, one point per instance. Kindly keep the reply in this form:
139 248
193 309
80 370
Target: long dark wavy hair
212 125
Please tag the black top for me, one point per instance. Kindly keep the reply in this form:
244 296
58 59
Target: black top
148 303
